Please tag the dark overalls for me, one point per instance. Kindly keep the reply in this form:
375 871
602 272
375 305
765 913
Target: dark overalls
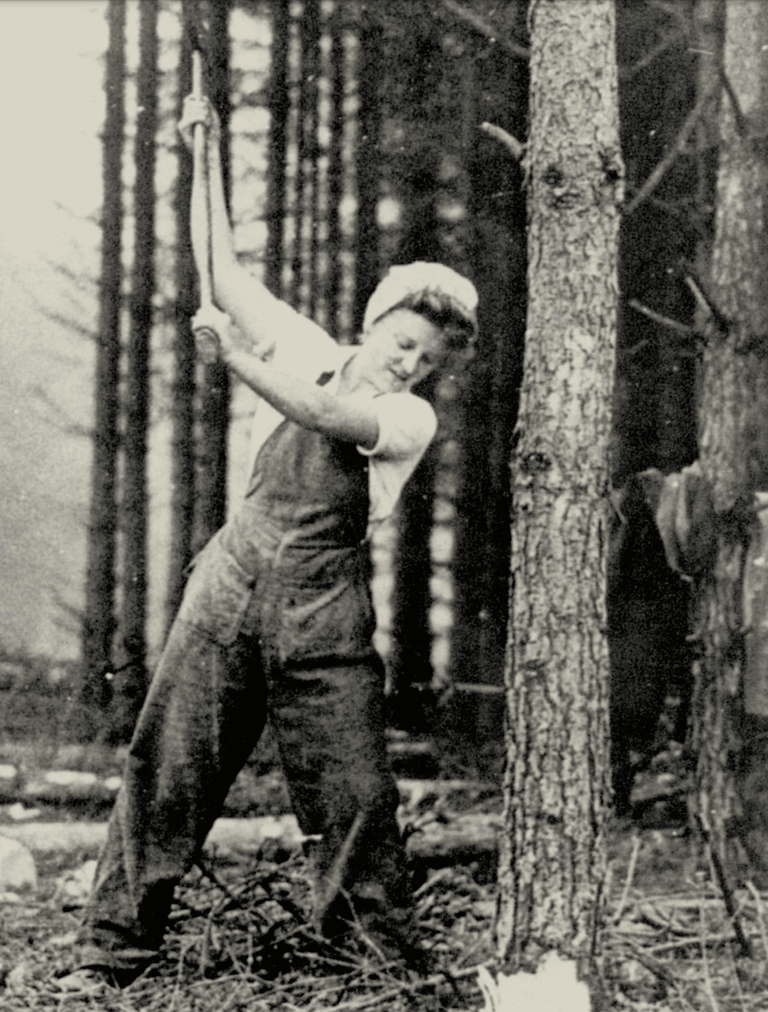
276 621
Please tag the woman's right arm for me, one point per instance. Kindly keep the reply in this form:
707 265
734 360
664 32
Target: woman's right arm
247 301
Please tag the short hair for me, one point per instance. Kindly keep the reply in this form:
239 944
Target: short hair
457 323
437 292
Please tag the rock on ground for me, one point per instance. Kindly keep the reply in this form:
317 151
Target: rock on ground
17 867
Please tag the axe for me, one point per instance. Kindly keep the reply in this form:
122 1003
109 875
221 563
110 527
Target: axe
205 339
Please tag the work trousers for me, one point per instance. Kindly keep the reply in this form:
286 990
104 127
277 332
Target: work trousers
246 647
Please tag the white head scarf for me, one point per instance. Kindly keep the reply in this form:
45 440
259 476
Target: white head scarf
412 279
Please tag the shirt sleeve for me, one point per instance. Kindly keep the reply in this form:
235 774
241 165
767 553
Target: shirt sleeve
297 345
300 348
407 425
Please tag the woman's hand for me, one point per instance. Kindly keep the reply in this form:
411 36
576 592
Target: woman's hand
213 333
199 110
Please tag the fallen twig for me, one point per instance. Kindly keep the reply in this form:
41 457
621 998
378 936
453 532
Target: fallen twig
730 906
628 881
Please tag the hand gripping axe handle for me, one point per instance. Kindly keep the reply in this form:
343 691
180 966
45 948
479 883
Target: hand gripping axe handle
205 339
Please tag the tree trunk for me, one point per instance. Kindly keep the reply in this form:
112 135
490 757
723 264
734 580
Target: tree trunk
335 241
654 413
131 678
367 166
729 736
279 108
490 402
303 295
411 661
99 620
185 362
211 494
553 856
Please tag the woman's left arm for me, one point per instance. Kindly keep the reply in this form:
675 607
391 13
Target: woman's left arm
351 419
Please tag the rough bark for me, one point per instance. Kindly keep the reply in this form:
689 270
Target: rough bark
367 168
733 448
496 257
335 241
183 383
305 195
279 108
654 414
553 860
211 478
131 677
420 61
99 619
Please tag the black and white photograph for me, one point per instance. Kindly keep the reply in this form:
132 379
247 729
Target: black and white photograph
384 527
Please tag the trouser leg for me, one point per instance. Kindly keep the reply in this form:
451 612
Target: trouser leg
329 725
204 713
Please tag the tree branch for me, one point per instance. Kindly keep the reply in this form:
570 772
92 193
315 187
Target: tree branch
680 328
706 303
670 40
674 152
738 115
78 277
66 321
485 28
64 422
673 10
516 148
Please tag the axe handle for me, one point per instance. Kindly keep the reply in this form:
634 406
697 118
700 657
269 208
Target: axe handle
205 339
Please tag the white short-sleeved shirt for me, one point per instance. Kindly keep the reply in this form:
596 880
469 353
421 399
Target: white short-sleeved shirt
407 423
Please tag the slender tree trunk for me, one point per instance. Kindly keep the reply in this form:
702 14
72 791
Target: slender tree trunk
211 479
410 661
654 413
334 243
729 726
490 403
311 31
367 168
279 108
131 678
183 388
99 620
553 856
303 293
709 26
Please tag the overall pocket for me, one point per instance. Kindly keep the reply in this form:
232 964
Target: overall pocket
335 623
217 595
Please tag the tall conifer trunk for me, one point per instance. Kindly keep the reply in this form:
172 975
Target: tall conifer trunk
411 661
489 406
369 74
185 362
99 620
279 109
211 480
131 680
730 722
553 855
335 241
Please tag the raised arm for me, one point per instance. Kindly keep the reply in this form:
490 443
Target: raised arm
350 418
247 301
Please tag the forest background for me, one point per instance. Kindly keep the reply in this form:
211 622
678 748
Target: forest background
418 177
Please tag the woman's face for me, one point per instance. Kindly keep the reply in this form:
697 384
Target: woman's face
399 351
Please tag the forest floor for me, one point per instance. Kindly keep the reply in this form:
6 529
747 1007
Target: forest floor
239 938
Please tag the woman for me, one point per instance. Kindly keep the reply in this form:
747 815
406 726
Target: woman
277 619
